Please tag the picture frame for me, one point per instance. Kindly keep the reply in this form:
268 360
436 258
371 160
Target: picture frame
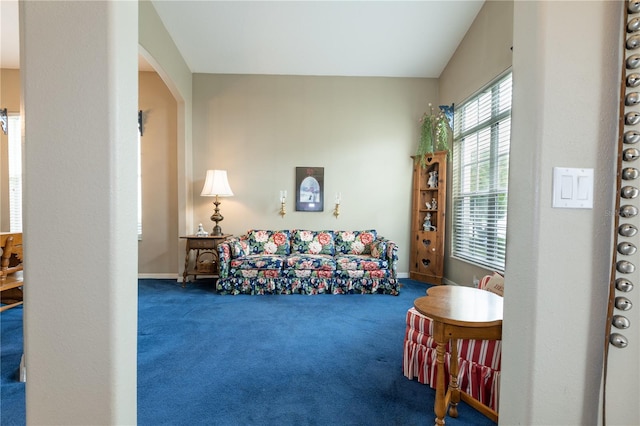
309 189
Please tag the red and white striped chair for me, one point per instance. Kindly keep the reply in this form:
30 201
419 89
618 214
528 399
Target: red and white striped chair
478 360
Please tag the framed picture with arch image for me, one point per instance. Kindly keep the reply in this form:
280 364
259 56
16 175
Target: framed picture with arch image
309 189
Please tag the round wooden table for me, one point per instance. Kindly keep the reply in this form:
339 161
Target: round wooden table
459 313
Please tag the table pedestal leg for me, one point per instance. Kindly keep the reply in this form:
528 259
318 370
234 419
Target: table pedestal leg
186 266
440 407
454 388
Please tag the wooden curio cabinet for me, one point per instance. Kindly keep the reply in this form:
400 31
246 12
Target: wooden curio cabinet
428 218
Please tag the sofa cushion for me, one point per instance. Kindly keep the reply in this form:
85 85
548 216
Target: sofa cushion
311 261
258 261
355 242
268 242
312 242
353 262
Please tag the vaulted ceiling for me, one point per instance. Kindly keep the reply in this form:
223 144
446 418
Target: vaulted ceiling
339 38
345 38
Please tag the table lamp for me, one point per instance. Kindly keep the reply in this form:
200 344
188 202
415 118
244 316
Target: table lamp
216 185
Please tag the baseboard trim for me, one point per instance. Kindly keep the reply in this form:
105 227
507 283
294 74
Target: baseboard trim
160 277
449 282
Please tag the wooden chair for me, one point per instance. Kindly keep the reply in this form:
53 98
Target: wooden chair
11 265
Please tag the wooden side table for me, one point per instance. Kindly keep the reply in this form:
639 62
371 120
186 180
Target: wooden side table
459 313
206 257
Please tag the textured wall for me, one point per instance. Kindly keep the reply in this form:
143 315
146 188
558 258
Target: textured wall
483 55
159 181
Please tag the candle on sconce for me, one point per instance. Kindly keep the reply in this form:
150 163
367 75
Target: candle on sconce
336 210
283 197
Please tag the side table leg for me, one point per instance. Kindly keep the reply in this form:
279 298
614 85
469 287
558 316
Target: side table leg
186 267
454 388
440 404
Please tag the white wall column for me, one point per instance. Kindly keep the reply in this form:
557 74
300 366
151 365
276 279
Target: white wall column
565 99
79 91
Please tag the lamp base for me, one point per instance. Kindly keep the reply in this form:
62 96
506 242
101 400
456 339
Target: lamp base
216 217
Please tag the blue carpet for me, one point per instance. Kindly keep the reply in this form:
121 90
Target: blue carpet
207 359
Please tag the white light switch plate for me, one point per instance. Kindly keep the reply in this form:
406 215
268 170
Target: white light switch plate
572 188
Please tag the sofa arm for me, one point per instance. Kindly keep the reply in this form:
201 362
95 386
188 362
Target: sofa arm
224 258
391 256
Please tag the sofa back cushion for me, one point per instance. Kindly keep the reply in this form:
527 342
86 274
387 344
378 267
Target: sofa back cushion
312 242
355 242
268 242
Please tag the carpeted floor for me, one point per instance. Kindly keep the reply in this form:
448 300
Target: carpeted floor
207 359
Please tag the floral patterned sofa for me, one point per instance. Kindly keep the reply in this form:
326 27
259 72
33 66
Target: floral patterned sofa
308 262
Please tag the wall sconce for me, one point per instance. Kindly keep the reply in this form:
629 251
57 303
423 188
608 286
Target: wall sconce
216 185
4 120
283 199
336 210
140 123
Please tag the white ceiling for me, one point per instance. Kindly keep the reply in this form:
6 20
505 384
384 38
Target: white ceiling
345 38
340 38
9 37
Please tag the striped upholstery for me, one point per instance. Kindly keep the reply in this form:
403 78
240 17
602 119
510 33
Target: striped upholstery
483 282
478 360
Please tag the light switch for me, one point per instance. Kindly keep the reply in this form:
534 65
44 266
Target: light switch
585 187
572 188
566 192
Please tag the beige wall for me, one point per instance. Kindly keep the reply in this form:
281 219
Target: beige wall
483 55
260 128
9 99
159 50
159 171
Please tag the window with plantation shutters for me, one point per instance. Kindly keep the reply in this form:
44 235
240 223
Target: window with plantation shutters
482 134
14 133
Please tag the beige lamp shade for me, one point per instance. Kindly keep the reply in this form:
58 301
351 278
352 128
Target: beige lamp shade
216 183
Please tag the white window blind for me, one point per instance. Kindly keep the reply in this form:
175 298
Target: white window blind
14 133
482 135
